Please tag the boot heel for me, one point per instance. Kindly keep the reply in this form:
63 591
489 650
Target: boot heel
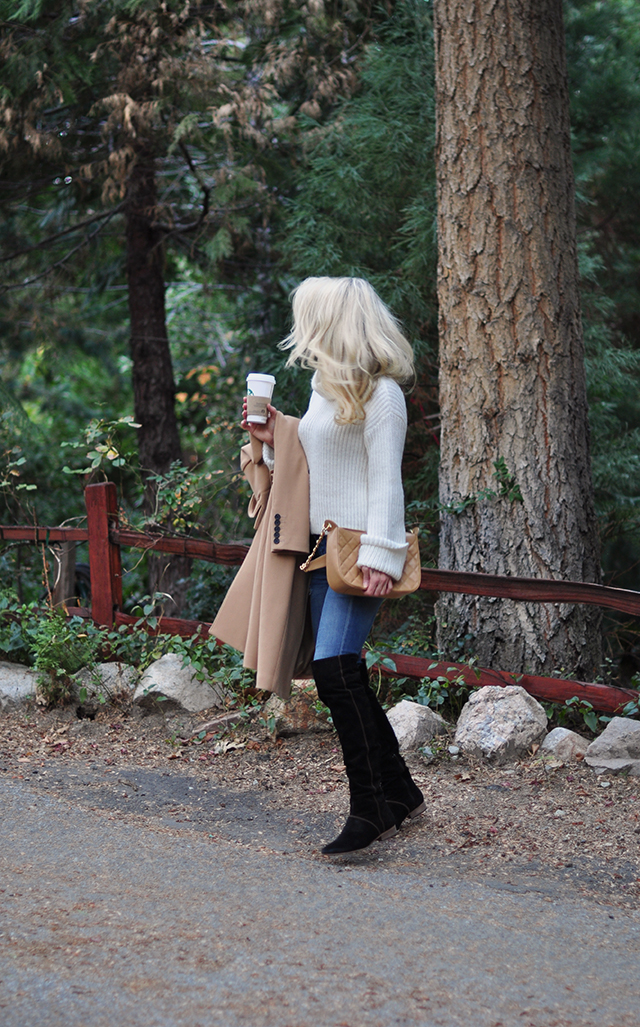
388 834
417 811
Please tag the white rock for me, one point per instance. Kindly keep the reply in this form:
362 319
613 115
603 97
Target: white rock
564 744
17 684
415 724
106 680
619 740
617 749
620 766
176 686
500 723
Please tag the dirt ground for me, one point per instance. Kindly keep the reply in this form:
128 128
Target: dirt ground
550 821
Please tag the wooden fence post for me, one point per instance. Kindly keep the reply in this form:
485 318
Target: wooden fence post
104 555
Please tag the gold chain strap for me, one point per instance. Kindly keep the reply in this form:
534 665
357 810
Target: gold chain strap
326 528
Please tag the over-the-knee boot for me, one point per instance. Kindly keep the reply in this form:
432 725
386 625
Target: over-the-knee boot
403 796
340 687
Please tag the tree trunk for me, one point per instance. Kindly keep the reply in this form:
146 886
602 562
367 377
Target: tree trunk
512 383
153 383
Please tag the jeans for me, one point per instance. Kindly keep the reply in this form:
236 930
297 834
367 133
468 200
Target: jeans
340 623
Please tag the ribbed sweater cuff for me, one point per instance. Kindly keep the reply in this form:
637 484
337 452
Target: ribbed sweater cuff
268 455
385 556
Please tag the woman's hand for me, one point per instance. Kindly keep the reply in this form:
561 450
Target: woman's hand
376 583
262 432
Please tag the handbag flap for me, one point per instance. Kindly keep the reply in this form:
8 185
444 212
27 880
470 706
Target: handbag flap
344 575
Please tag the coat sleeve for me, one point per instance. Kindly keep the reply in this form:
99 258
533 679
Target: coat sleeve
259 477
289 530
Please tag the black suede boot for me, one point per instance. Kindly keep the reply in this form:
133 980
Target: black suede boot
403 796
340 687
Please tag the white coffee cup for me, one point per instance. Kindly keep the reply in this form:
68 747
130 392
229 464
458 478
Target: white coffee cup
259 393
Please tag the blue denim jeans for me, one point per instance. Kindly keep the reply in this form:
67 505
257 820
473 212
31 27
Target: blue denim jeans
340 623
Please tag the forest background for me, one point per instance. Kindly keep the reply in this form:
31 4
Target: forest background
277 140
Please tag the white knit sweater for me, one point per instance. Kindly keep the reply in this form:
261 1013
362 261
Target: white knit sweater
355 473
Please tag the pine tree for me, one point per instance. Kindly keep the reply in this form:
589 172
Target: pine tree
154 116
512 381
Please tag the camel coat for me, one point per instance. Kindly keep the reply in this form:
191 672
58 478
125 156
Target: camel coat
265 612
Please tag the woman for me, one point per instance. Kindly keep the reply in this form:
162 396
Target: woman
353 436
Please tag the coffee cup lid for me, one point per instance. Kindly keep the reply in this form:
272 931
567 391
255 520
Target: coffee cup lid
262 377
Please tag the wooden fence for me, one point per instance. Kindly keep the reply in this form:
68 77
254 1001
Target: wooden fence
105 538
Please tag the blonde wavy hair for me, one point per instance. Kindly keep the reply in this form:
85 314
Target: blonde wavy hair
343 330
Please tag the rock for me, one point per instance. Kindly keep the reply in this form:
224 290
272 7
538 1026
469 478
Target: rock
564 744
17 684
297 715
500 723
105 682
617 749
414 725
173 686
619 740
616 766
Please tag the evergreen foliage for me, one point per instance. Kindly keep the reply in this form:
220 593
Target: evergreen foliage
603 54
365 196
196 92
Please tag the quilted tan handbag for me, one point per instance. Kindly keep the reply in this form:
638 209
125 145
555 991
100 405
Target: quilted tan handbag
343 573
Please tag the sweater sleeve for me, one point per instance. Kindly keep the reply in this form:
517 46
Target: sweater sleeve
384 547
268 455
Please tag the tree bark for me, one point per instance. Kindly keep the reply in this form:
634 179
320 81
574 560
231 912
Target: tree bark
512 383
153 382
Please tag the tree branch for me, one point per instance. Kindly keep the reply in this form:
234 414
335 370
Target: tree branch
206 190
59 235
63 260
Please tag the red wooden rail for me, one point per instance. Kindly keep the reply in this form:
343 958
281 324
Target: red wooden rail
229 554
105 538
535 590
604 698
39 535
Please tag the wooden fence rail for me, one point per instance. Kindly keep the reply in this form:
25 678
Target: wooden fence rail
106 537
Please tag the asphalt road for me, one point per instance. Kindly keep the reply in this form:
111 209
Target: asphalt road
160 916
